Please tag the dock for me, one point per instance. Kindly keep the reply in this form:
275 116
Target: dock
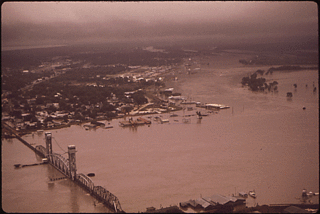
144 120
131 122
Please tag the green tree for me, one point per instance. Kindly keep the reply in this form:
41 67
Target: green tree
139 98
34 119
65 118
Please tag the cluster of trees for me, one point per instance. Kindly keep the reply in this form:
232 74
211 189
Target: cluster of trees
134 56
14 79
258 84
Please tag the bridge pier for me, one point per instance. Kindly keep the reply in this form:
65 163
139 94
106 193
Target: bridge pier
48 143
72 161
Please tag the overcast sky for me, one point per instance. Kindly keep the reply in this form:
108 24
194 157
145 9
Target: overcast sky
48 23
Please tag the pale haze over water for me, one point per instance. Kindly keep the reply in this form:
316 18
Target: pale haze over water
263 142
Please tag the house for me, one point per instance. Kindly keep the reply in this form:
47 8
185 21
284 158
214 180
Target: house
25 115
56 123
61 115
32 125
50 124
56 105
5 118
48 105
243 194
232 202
204 204
41 106
31 101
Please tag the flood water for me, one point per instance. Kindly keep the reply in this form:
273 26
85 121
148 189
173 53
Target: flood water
264 142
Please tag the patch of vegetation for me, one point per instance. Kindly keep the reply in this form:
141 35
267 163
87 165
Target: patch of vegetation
258 84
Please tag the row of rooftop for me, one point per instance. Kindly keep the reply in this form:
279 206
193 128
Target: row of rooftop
49 115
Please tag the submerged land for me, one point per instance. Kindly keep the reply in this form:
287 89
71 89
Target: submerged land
47 88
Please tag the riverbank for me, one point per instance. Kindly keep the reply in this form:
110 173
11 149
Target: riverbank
273 208
81 122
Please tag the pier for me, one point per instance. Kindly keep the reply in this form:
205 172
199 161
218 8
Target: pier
68 168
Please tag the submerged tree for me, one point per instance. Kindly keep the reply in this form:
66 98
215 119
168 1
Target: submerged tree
254 83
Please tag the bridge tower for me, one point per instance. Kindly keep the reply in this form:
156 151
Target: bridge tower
72 161
48 143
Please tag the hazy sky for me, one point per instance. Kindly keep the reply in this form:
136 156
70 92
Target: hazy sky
46 23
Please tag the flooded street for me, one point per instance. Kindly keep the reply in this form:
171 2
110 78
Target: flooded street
263 142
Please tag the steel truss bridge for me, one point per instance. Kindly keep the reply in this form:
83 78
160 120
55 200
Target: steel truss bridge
68 169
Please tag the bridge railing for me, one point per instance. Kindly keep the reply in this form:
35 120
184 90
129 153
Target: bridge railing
85 181
60 163
108 197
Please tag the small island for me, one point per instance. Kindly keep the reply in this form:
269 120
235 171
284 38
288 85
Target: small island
260 84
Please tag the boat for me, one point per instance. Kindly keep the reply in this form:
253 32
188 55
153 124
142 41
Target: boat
89 126
252 194
216 106
164 120
131 123
177 98
188 102
174 115
224 107
243 194
124 123
200 115
200 105
144 120
310 194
